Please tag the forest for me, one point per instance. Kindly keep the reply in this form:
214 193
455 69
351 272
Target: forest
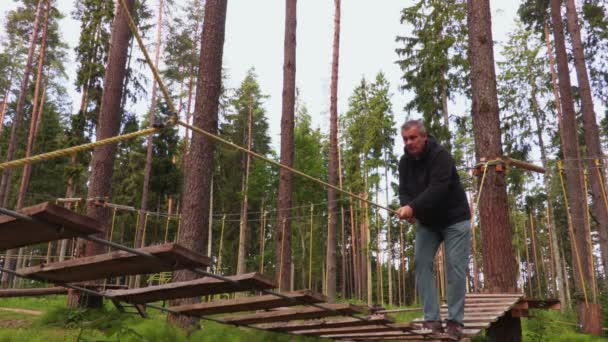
314 207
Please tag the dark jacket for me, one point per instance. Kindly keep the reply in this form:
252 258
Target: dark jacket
431 186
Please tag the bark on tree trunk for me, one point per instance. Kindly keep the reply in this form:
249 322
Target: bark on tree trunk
571 154
36 113
287 148
17 118
102 163
241 266
199 170
590 129
4 104
148 165
333 160
499 260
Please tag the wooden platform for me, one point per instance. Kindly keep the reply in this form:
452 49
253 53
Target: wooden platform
170 257
55 290
280 315
193 288
325 324
56 223
265 302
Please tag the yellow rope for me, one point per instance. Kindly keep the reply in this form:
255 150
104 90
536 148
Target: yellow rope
275 163
143 49
589 243
112 227
135 235
571 231
599 174
167 228
179 225
143 236
75 149
219 253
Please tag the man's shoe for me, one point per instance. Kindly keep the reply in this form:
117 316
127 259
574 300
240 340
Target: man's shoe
432 328
454 330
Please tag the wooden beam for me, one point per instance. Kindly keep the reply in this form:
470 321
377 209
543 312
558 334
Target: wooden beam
295 314
325 324
47 291
57 223
170 257
194 288
265 302
524 165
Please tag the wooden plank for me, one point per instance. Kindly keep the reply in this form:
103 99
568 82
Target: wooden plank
325 324
494 295
400 327
395 334
469 310
468 323
57 223
295 314
468 319
193 288
483 305
397 337
170 257
250 303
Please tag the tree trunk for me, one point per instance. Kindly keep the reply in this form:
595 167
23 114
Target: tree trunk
389 241
189 105
343 247
556 264
287 148
12 145
571 158
102 163
590 129
241 266
5 183
199 170
150 144
333 160
36 114
4 104
499 261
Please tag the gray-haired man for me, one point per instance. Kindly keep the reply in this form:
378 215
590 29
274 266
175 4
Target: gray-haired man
431 194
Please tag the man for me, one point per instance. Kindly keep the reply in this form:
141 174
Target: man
431 194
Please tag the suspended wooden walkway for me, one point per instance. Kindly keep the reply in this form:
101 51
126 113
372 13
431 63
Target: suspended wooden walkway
298 312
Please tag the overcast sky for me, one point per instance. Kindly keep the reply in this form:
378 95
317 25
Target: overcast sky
254 38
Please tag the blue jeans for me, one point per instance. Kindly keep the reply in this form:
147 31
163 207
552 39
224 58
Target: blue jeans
457 239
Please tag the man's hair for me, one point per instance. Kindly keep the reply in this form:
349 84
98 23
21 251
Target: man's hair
414 123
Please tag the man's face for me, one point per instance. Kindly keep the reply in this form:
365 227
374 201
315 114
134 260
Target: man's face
414 141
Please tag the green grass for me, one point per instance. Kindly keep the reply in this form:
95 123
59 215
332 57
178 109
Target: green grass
60 324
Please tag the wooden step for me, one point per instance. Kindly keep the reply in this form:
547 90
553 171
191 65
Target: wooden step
325 324
55 223
265 302
170 257
295 314
193 288
394 336
399 327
